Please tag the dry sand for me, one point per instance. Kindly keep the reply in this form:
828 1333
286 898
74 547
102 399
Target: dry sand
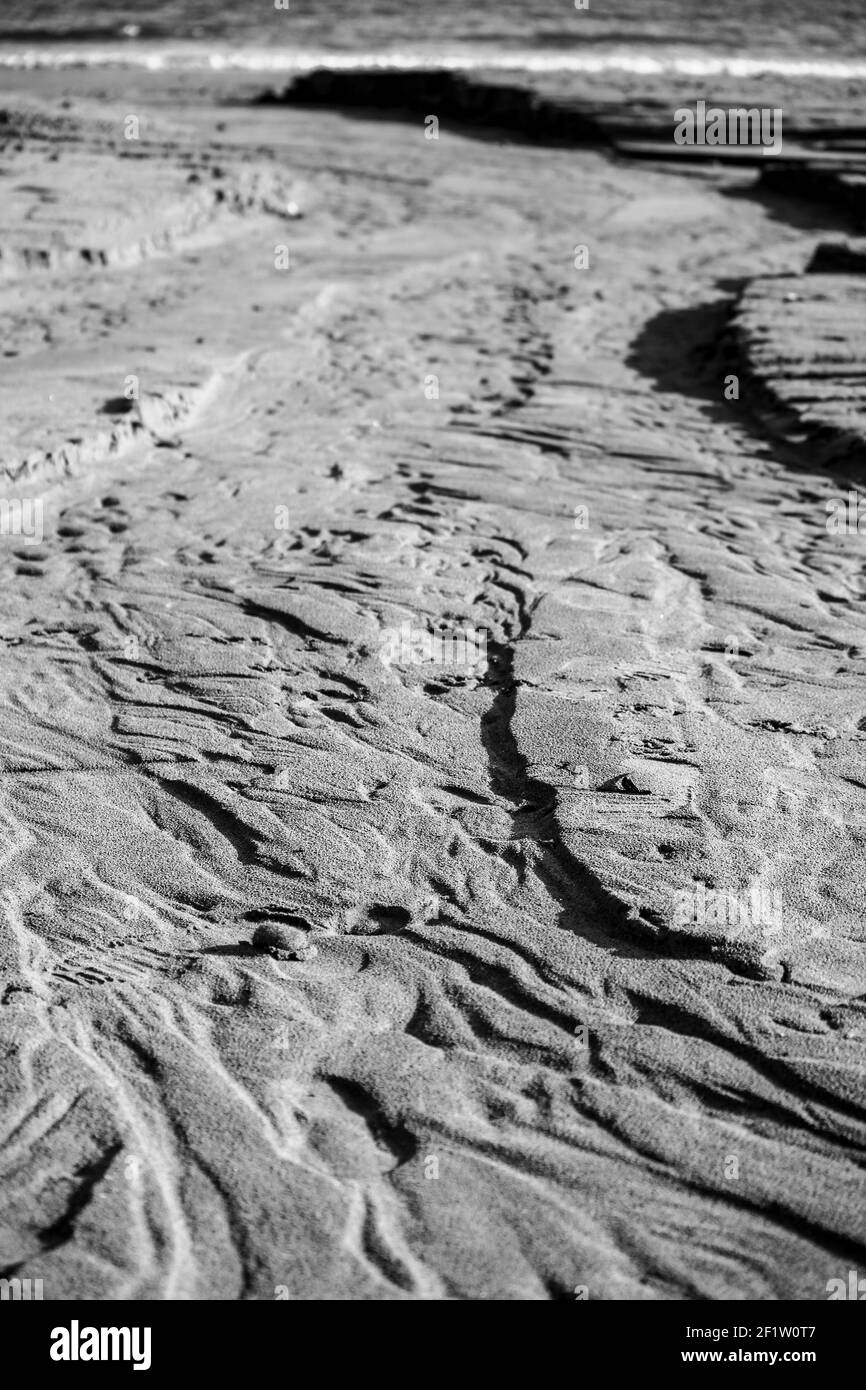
492 1060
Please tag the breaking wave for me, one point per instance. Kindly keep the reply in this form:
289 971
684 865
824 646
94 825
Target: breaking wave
219 58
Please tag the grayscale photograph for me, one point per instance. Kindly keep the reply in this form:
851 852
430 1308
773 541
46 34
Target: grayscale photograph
433 660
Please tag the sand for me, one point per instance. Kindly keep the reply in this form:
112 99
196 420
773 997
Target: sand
478 1050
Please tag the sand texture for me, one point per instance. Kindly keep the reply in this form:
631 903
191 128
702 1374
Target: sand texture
476 1051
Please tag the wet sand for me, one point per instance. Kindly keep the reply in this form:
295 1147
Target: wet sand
495 1059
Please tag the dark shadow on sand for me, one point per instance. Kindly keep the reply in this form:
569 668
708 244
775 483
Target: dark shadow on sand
691 352
484 110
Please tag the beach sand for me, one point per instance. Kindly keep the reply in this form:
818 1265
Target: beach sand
281 381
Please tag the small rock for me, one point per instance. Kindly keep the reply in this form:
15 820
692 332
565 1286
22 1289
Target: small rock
283 942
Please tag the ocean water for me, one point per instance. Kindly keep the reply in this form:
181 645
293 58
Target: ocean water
742 37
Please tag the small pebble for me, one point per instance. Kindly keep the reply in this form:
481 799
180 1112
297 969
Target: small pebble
283 942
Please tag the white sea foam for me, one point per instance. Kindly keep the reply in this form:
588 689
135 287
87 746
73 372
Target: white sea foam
196 57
